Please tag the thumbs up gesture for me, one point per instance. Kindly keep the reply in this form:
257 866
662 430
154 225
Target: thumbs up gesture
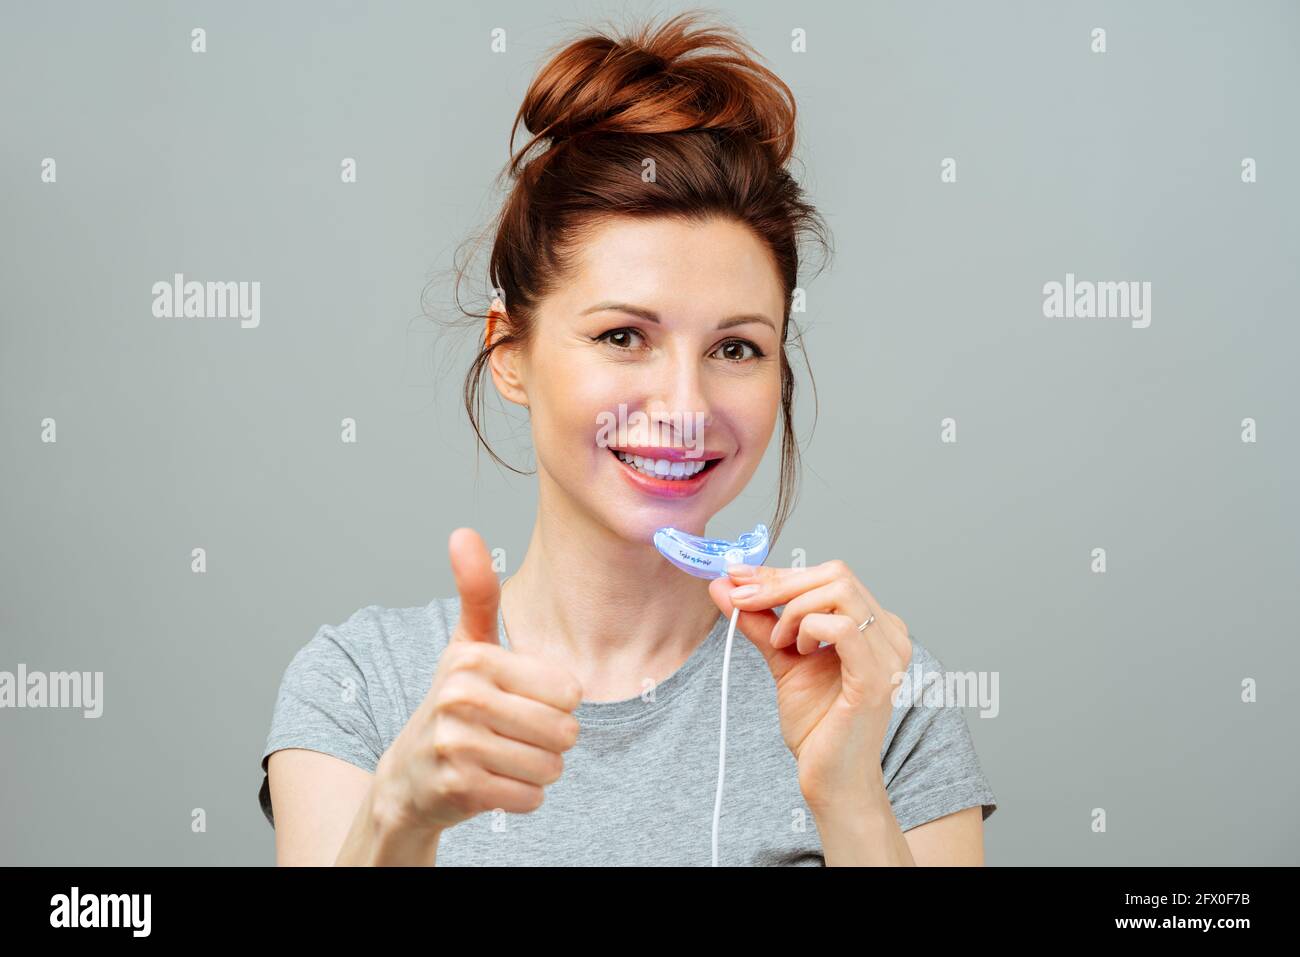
491 732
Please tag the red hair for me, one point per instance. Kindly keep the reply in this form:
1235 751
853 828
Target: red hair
720 128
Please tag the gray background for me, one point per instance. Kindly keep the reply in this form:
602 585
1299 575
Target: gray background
1119 691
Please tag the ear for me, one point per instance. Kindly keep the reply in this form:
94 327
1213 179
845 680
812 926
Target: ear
496 311
505 360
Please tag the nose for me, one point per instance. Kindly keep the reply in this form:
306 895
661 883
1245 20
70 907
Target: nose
677 406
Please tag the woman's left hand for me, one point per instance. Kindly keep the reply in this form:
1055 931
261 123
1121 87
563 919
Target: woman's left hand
835 703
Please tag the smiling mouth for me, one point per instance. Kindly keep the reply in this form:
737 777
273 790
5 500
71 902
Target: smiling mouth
663 469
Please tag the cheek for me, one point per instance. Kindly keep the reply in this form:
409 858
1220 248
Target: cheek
752 414
569 391
590 391
575 407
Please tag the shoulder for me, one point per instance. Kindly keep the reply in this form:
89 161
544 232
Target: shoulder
375 632
929 760
923 658
362 673
923 714
441 614
379 653
916 687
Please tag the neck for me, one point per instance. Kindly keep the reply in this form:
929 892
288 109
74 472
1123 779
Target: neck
612 611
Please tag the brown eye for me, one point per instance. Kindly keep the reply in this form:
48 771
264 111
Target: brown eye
740 344
621 335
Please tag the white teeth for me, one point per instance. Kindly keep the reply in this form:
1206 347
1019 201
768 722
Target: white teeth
662 468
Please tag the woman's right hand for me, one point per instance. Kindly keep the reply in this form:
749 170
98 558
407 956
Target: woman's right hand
491 732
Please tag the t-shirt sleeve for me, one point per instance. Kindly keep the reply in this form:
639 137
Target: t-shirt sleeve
323 705
930 767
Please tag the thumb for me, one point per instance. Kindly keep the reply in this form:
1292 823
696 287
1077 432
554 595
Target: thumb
756 625
477 585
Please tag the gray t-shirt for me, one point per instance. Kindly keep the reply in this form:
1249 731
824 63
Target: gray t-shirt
639 785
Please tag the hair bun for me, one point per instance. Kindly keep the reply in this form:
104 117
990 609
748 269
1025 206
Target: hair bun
668 79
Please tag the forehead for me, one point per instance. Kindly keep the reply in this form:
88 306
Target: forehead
677 266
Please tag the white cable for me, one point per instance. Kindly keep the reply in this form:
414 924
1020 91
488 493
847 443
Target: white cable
722 735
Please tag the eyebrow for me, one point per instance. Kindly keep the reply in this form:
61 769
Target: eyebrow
649 315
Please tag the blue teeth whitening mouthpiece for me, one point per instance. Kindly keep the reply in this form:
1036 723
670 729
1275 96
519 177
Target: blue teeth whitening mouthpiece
709 558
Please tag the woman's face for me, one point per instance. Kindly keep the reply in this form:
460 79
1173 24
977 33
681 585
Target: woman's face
665 342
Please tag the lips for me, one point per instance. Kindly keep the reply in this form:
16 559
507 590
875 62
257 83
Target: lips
668 487
669 452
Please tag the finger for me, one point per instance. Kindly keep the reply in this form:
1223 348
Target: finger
476 582
859 655
778 586
532 722
863 655
888 632
476 698
531 676
509 794
902 639
513 759
838 597
755 625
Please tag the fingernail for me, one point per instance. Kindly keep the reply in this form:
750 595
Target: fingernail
740 570
744 592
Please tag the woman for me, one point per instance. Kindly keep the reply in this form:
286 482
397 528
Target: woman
571 715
